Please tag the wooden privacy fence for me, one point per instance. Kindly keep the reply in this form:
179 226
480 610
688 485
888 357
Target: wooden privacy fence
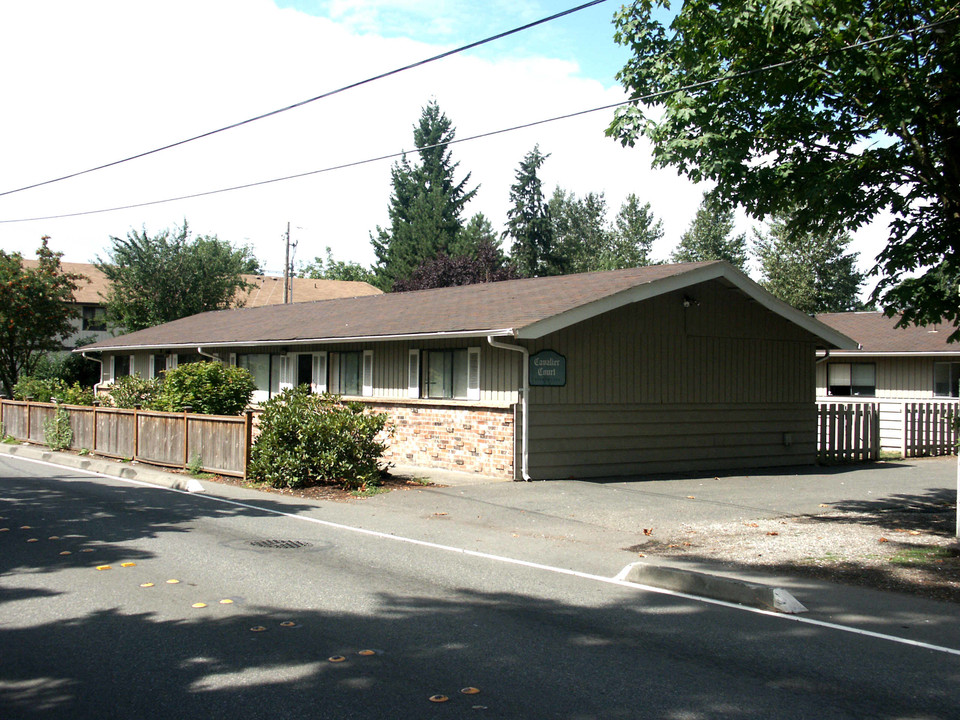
848 432
221 443
928 428
857 431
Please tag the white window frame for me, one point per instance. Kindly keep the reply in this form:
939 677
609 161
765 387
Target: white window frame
113 366
286 373
473 373
413 373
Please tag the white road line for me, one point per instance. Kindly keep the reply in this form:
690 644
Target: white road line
525 563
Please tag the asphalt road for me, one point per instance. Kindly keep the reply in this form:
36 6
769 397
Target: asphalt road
270 595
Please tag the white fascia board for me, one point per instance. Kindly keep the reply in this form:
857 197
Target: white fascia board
679 282
899 354
502 332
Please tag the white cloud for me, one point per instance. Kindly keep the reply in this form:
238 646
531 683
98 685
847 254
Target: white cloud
96 82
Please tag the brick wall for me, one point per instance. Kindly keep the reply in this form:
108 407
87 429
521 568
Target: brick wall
468 439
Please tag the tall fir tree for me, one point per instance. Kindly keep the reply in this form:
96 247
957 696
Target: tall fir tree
811 271
710 236
528 220
580 230
426 205
635 230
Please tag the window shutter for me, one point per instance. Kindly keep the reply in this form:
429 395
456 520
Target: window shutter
320 372
232 359
367 373
286 381
473 373
334 365
172 361
413 374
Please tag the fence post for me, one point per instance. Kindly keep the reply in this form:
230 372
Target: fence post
29 404
247 439
136 430
186 435
875 431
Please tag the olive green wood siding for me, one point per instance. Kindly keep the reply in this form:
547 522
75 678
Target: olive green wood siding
659 387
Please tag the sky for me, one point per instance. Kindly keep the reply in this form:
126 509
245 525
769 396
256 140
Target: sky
94 82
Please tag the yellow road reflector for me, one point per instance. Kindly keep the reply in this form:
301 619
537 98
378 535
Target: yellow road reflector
128 564
26 527
336 658
87 550
173 581
146 585
288 623
226 601
53 537
104 567
199 605
66 552
258 628
469 691
4 529
367 652
33 540
438 698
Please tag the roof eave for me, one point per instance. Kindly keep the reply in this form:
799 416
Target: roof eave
500 332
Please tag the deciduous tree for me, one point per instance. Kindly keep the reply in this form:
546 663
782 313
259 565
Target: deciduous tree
845 108
36 306
157 279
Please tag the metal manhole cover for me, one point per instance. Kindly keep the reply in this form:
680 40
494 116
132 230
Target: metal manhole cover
280 544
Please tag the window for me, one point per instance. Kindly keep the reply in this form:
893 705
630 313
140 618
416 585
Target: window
184 358
851 379
304 370
946 379
259 366
94 318
345 372
452 374
121 366
158 363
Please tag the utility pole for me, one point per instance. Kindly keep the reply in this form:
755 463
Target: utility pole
286 270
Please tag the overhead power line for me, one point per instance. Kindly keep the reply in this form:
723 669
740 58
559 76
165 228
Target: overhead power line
640 99
330 93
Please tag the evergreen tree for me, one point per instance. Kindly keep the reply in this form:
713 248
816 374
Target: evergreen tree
710 236
477 236
809 270
528 220
635 230
581 234
426 205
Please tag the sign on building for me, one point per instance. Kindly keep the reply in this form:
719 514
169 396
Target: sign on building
548 368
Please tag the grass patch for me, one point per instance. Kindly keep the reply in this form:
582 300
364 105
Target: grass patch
923 555
9 440
369 491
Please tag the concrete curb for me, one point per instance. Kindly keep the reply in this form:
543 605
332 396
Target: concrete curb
127 471
701 584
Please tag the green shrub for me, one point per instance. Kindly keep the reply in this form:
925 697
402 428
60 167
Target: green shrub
51 390
132 390
57 433
208 387
305 439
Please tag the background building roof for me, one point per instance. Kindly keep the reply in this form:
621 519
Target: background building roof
876 333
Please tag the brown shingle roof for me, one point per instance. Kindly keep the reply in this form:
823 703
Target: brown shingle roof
876 333
520 307
267 290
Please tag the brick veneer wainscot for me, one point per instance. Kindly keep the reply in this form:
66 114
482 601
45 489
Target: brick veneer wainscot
468 439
